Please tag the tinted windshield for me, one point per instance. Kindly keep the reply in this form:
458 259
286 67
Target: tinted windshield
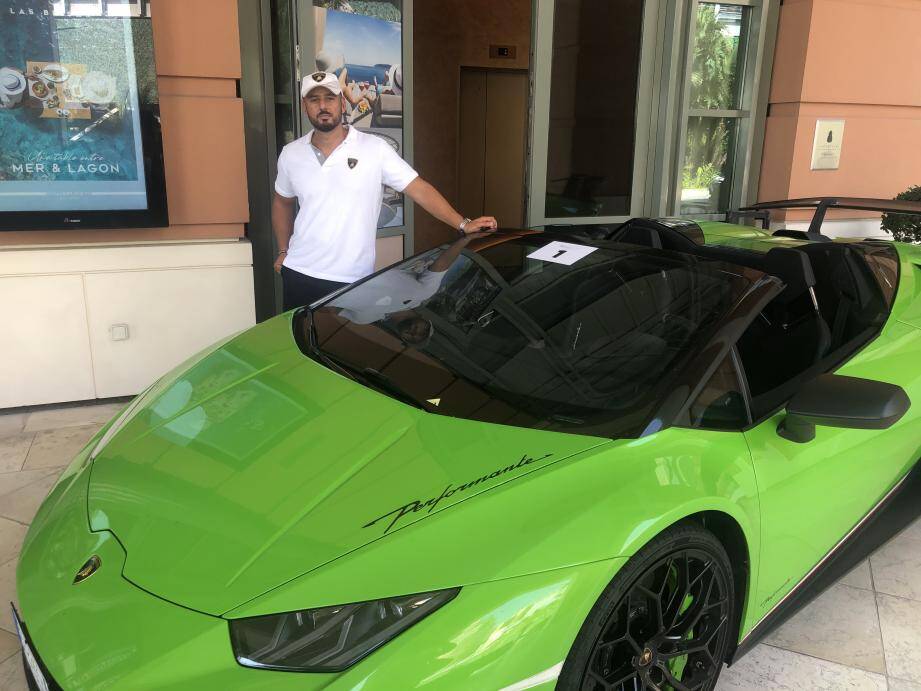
509 334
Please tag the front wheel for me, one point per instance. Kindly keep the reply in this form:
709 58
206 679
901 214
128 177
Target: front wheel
662 624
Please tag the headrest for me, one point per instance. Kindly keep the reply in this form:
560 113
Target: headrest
637 235
791 266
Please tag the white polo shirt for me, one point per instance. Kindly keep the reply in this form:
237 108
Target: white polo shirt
340 201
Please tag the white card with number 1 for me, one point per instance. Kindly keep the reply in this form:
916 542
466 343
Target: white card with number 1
562 253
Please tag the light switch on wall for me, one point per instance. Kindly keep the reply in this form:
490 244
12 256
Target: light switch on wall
119 332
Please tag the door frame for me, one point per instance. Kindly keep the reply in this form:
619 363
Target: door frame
257 91
661 109
305 46
651 44
522 71
755 57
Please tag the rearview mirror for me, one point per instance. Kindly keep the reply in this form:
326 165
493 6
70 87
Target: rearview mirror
832 400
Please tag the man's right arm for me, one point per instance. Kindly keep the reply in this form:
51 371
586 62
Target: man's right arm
282 225
446 259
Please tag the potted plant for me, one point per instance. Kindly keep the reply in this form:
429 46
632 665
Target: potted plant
903 227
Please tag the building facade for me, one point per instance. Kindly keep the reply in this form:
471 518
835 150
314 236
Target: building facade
101 313
541 112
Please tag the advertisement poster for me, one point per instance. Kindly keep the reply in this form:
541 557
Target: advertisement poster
361 41
69 112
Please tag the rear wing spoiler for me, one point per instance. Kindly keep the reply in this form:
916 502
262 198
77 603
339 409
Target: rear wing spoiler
762 211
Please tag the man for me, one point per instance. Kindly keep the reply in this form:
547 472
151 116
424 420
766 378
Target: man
335 173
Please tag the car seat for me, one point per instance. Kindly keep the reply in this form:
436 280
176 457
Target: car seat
790 335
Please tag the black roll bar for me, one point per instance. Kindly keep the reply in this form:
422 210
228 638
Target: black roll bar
823 204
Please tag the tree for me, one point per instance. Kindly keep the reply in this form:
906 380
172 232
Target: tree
713 86
903 227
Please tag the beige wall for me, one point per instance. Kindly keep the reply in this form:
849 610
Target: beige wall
448 34
857 60
202 121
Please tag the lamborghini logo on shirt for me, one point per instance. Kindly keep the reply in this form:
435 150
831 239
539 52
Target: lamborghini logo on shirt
353 162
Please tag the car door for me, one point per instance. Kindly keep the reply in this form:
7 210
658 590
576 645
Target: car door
813 494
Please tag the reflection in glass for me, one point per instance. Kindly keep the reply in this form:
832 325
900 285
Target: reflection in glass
497 336
286 105
222 404
715 70
593 92
706 179
721 404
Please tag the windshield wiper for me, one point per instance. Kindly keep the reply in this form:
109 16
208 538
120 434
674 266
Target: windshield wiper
386 385
314 346
312 341
371 378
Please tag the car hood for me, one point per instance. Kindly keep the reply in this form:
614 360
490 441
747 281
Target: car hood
257 465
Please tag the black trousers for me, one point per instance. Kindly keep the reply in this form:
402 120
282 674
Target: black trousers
300 289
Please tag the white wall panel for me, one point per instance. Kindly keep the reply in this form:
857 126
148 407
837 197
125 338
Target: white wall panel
44 348
57 304
90 258
170 314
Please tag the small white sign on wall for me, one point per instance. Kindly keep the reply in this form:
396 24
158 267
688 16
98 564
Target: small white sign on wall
826 150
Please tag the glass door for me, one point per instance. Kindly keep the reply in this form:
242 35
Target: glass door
592 109
368 46
284 68
719 130
647 107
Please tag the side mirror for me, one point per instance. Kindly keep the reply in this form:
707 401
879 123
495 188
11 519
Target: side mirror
832 400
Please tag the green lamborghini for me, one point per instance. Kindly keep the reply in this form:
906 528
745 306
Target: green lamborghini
598 458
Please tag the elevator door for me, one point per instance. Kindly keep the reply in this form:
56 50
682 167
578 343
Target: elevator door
492 144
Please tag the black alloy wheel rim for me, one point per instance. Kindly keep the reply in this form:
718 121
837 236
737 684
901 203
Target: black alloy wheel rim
668 633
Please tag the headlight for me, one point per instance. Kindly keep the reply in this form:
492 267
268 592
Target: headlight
329 639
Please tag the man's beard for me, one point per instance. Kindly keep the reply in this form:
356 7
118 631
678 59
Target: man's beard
325 126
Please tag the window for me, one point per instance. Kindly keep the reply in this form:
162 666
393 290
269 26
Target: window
647 107
593 78
287 102
593 99
500 337
721 404
883 261
717 113
795 338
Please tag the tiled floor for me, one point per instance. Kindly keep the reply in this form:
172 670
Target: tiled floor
863 633
34 448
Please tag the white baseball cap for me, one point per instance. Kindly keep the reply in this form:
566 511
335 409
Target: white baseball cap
327 80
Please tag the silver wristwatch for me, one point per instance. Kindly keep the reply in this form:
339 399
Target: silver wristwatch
463 225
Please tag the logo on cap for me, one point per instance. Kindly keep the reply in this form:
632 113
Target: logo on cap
353 162
319 76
